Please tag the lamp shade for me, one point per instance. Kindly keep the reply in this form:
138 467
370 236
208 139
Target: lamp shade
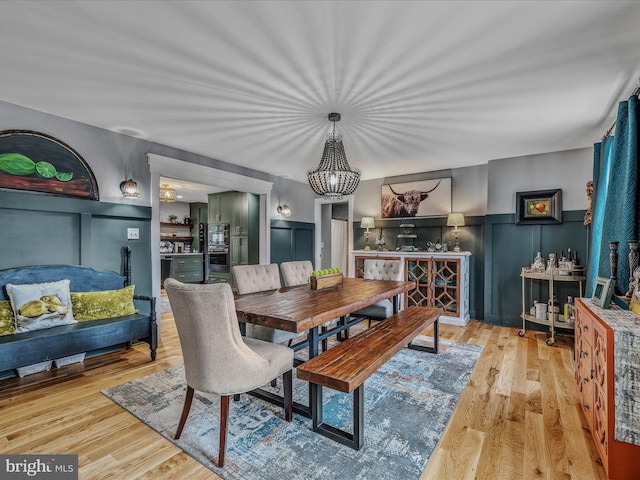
367 222
455 220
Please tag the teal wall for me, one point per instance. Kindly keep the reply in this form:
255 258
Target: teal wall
430 230
511 247
45 230
499 249
291 241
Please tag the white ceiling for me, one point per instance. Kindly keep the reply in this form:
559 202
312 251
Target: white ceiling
421 86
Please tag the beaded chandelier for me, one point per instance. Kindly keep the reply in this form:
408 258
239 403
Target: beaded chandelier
334 177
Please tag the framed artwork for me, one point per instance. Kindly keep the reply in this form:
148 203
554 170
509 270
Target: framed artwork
602 292
424 198
539 207
37 162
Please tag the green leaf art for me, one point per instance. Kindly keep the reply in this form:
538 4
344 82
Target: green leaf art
18 164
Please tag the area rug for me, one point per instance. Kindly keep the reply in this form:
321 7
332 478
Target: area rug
165 306
408 403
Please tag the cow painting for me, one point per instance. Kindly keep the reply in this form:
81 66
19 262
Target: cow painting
398 202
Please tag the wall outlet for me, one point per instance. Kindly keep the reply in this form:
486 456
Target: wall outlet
133 234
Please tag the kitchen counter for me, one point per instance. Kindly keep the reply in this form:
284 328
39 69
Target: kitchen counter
162 255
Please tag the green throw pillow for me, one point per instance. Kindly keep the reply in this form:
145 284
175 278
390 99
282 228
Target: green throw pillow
103 304
40 305
7 321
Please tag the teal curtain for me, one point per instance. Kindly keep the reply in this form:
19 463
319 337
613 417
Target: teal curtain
601 173
615 206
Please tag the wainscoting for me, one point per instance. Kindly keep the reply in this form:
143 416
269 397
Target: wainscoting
44 230
509 247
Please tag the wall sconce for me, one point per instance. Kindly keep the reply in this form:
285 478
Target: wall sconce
284 210
456 220
367 222
129 189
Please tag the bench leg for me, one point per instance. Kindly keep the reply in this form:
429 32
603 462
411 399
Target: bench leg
343 335
355 440
433 349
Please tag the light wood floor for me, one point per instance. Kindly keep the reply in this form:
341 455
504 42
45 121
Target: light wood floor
518 418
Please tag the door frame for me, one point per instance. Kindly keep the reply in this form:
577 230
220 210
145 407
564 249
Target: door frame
317 218
193 172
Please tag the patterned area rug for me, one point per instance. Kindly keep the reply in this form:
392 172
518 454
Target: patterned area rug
165 306
408 404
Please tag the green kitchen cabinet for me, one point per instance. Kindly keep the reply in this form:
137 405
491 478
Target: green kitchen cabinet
187 268
220 207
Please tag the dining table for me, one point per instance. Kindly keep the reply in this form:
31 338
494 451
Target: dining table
302 309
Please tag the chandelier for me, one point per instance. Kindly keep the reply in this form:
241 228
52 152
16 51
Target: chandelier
167 194
334 177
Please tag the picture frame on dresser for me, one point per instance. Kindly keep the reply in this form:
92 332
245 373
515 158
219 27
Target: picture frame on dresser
602 292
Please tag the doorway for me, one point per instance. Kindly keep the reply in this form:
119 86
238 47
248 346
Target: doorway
178 169
334 236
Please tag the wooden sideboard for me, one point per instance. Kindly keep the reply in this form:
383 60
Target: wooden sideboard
442 279
605 403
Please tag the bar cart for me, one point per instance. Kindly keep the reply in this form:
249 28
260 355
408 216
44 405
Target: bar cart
551 278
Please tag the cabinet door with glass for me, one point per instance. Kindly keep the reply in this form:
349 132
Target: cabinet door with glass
437 283
442 280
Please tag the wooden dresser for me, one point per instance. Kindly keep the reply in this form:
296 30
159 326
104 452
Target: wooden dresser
606 349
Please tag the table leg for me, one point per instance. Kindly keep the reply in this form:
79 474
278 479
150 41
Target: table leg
315 394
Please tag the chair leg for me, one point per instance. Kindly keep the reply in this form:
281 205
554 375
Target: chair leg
287 380
224 417
185 412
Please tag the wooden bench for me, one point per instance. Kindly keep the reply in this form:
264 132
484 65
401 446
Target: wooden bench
346 366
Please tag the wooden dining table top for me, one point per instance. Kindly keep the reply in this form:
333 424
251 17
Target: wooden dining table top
298 309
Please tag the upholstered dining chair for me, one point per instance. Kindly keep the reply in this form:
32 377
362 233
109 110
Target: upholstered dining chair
298 273
259 278
377 269
217 359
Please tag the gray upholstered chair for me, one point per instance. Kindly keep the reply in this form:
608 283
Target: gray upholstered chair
377 269
299 273
217 359
259 278
296 273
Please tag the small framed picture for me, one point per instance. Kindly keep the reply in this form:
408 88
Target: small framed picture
539 207
602 292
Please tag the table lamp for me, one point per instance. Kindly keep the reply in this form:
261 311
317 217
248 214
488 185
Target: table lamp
367 222
456 220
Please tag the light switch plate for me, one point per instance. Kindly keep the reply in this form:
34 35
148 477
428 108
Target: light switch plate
133 234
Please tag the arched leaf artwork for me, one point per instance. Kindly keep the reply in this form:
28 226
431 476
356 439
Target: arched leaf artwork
37 162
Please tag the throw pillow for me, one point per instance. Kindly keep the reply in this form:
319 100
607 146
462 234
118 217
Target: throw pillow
634 306
7 321
40 305
103 304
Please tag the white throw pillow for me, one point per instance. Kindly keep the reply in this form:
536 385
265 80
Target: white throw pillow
41 305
